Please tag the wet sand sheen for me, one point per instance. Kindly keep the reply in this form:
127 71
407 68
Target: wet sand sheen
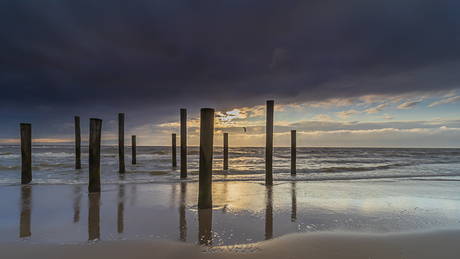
331 216
442 244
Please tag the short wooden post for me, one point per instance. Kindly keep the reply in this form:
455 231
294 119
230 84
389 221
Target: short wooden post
94 218
121 142
269 144
174 159
133 149
225 151
95 127
183 143
206 145
26 153
293 152
77 143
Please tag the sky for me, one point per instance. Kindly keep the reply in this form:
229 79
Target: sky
341 73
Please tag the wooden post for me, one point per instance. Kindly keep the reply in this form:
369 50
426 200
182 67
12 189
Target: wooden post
26 153
293 152
77 143
174 160
133 149
225 151
95 127
183 143
269 144
206 145
121 142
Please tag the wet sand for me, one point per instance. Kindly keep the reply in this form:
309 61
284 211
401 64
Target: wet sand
349 219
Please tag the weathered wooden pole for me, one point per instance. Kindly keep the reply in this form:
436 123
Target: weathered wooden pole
24 218
133 149
269 144
94 218
225 151
95 127
206 145
183 143
293 152
121 142
26 153
174 159
77 143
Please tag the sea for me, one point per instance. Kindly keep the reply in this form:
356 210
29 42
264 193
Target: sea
56 164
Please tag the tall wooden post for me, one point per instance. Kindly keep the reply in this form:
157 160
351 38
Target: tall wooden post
269 144
95 127
183 143
121 142
26 153
77 143
133 149
225 151
206 145
174 159
293 152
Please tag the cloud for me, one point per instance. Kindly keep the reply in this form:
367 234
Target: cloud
455 99
389 117
408 105
322 117
279 55
346 114
379 108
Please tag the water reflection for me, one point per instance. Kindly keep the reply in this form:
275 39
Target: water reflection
205 227
26 208
76 204
294 204
269 214
121 208
94 229
182 219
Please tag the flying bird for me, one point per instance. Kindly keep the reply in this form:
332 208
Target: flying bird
244 129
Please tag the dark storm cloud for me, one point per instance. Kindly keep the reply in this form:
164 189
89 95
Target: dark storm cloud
151 58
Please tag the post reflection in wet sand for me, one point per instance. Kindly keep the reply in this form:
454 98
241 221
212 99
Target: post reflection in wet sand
182 219
121 208
269 214
26 208
76 204
294 204
94 229
205 226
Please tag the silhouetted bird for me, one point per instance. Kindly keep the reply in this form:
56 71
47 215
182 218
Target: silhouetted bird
244 129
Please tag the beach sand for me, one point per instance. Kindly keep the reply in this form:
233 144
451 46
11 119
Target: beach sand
336 219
